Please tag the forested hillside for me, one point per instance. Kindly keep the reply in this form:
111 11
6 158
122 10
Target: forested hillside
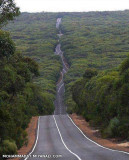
95 44
93 40
35 35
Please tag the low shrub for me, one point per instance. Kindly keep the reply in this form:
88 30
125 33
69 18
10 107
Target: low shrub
8 148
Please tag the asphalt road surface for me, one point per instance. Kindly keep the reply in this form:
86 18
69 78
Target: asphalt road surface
59 138
60 108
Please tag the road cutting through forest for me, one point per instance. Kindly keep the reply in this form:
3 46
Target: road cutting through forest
57 135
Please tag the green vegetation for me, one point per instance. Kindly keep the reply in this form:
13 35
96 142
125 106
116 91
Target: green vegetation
93 40
8 148
20 98
103 99
35 36
94 45
8 11
26 88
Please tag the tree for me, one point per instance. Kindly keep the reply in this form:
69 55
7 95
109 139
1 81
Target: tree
89 73
124 66
8 11
7 46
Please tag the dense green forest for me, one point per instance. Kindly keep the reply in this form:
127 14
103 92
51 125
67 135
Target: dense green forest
28 73
103 99
93 40
35 35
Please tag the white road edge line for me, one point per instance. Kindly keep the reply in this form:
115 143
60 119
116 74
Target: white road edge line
64 70
94 141
62 76
64 62
60 87
35 141
64 142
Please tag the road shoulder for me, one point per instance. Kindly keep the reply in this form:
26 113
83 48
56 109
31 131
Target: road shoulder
93 135
32 132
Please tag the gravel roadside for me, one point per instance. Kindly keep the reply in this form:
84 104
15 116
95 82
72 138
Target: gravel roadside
32 132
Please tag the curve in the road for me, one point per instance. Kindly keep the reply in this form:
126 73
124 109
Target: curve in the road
60 108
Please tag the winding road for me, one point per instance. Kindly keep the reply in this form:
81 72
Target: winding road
59 138
60 108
